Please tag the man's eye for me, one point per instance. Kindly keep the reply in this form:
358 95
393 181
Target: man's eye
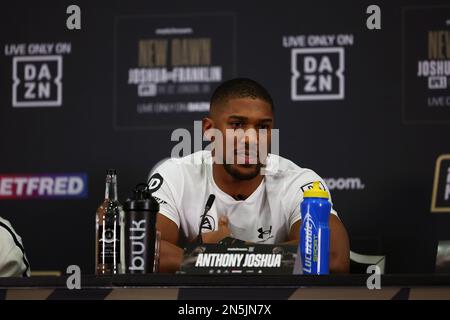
236 125
263 126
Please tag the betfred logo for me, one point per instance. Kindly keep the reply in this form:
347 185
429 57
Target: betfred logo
33 186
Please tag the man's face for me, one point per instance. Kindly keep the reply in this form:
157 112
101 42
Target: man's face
245 124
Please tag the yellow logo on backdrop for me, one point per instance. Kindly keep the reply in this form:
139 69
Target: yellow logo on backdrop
440 198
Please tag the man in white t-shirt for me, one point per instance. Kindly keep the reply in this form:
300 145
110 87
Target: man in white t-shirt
13 262
257 195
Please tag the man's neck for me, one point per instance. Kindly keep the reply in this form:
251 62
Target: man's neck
233 186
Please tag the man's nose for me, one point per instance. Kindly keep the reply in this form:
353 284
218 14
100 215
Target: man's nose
251 137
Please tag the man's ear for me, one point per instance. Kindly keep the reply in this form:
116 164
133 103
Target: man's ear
207 123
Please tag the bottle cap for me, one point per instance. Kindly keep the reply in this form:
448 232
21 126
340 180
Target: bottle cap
315 192
142 200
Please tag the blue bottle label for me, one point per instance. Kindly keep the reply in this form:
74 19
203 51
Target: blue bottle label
314 235
310 244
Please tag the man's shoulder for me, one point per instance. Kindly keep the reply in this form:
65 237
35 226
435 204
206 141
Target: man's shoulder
7 235
284 172
279 166
191 165
6 227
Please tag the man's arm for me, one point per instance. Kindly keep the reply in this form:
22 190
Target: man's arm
170 254
339 244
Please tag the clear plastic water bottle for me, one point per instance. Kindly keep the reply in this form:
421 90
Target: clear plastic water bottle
314 231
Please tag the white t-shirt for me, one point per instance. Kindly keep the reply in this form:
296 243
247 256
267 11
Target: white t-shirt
13 262
183 185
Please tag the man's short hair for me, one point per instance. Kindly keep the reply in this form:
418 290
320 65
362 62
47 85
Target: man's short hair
239 88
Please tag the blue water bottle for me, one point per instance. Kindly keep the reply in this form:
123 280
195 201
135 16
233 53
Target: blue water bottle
314 232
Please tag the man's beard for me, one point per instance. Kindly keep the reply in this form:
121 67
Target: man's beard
237 174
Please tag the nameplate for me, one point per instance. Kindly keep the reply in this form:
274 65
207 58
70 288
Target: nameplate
241 259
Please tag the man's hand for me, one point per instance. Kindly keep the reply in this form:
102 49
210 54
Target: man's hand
170 254
222 232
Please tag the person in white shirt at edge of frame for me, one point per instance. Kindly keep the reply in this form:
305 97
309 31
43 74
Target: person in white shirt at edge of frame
13 261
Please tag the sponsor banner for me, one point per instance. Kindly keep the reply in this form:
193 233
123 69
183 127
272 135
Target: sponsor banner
318 65
166 67
37 73
426 65
440 198
45 186
341 183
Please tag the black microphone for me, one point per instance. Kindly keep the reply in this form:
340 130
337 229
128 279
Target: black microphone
208 206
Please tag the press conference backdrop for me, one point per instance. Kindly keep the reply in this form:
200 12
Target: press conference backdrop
369 110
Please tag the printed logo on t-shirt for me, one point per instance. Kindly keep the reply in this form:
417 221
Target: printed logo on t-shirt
209 223
155 182
265 234
160 201
309 186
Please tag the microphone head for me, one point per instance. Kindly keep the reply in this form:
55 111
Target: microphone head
208 206
210 201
